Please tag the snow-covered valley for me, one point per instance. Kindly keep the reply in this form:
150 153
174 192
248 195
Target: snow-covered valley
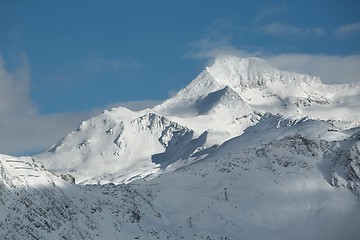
245 151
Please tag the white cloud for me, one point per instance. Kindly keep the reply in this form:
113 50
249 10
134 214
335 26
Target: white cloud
282 29
348 29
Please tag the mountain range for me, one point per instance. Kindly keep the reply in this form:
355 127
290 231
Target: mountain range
245 151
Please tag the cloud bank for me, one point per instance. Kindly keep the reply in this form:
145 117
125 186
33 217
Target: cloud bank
283 29
271 11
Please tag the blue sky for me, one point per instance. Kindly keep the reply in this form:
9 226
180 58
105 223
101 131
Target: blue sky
62 61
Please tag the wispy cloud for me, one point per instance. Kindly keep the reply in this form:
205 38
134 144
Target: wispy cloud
14 88
222 26
348 29
270 11
224 33
101 64
208 48
330 68
283 29
93 66
217 40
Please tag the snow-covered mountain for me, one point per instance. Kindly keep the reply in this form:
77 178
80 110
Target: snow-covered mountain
245 151
231 95
281 179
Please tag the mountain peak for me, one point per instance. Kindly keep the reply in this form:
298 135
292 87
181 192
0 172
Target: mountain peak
248 63
251 72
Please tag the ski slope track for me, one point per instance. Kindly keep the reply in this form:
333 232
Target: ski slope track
245 151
